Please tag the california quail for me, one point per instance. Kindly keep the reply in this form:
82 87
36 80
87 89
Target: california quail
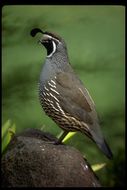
63 96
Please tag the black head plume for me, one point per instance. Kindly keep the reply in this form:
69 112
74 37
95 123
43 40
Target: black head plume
35 31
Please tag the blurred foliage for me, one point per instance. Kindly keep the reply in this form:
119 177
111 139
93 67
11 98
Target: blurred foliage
95 37
8 130
69 135
97 167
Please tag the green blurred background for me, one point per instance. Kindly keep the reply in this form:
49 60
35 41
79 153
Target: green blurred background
95 37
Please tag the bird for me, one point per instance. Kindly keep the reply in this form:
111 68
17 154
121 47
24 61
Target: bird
63 96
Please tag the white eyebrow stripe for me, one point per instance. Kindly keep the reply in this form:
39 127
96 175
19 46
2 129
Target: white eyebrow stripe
48 36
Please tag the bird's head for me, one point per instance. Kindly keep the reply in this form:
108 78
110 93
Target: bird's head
52 42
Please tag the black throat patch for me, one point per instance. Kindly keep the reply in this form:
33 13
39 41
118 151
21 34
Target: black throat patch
49 46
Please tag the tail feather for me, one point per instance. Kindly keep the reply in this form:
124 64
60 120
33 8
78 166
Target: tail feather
96 136
105 149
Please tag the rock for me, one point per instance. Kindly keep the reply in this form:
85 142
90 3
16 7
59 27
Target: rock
32 160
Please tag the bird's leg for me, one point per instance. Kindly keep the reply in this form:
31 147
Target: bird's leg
62 136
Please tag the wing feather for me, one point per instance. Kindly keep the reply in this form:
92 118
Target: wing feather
74 98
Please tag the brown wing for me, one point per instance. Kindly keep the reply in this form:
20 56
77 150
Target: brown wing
74 98
76 101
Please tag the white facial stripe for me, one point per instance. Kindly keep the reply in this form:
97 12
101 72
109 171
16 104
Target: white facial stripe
54 49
